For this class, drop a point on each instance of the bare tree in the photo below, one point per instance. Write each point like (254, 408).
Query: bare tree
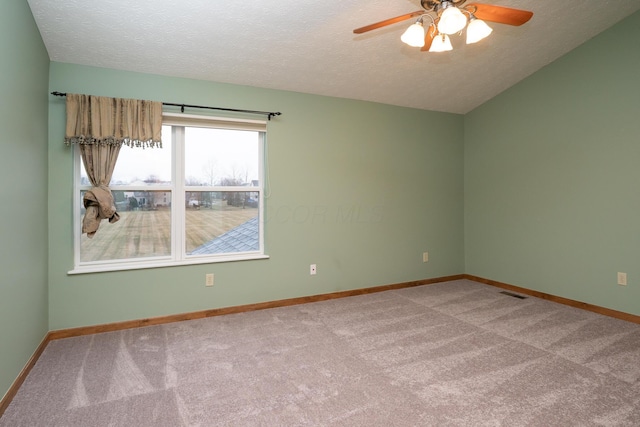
(233, 198)
(209, 171)
(150, 196)
(152, 179)
(238, 174)
(193, 181)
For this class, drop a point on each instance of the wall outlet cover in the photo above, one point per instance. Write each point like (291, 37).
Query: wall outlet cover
(622, 279)
(208, 279)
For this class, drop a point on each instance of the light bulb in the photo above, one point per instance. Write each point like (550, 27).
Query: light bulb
(414, 35)
(441, 43)
(451, 20)
(477, 30)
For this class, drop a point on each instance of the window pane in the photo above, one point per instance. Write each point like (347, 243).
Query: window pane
(221, 157)
(221, 222)
(210, 224)
(140, 166)
(144, 229)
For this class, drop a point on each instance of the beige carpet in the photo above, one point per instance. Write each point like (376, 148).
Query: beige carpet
(451, 354)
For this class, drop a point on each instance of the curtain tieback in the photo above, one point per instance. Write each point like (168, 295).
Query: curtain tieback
(99, 205)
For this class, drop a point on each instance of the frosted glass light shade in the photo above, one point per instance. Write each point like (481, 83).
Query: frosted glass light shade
(451, 20)
(477, 30)
(441, 43)
(414, 35)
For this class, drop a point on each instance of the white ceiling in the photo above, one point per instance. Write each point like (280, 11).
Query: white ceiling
(309, 46)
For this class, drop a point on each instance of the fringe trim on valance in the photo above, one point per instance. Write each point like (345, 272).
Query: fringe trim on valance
(82, 140)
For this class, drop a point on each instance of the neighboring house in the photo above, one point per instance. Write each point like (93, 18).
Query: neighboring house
(140, 199)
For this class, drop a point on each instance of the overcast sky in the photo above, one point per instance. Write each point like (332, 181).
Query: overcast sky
(216, 153)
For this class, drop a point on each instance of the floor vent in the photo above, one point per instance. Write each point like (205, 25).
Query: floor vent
(513, 295)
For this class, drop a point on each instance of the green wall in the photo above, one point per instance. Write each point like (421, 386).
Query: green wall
(360, 189)
(552, 176)
(537, 187)
(24, 70)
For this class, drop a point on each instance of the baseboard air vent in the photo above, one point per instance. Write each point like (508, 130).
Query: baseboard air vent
(513, 295)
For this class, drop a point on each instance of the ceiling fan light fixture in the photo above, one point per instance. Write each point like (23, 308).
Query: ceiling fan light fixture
(414, 35)
(441, 43)
(452, 20)
(448, 17)
(477, 30)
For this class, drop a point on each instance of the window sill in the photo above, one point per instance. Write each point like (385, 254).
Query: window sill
(100, 268)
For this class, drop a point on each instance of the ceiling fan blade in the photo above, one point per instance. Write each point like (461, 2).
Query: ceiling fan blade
(388, 22)
(499, 14)
(429, 35)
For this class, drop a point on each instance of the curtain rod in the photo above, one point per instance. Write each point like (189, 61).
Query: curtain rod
(269, 114)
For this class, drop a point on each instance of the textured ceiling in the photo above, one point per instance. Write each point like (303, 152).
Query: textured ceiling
(309, 46)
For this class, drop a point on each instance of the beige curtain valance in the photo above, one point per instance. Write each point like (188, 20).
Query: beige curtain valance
(99, 120)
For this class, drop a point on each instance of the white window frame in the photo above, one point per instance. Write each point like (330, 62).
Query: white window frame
(177, 188)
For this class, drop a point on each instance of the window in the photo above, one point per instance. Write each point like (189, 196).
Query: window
(197, 199)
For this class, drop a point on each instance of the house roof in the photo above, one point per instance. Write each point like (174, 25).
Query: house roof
(310, 47)
(243, 238)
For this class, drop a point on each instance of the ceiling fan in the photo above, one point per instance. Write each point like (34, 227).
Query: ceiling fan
(449, 17)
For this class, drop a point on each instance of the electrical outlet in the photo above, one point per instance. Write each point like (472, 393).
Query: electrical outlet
(425, 257)
(622, 279)
(208, 279)
(312, 269)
